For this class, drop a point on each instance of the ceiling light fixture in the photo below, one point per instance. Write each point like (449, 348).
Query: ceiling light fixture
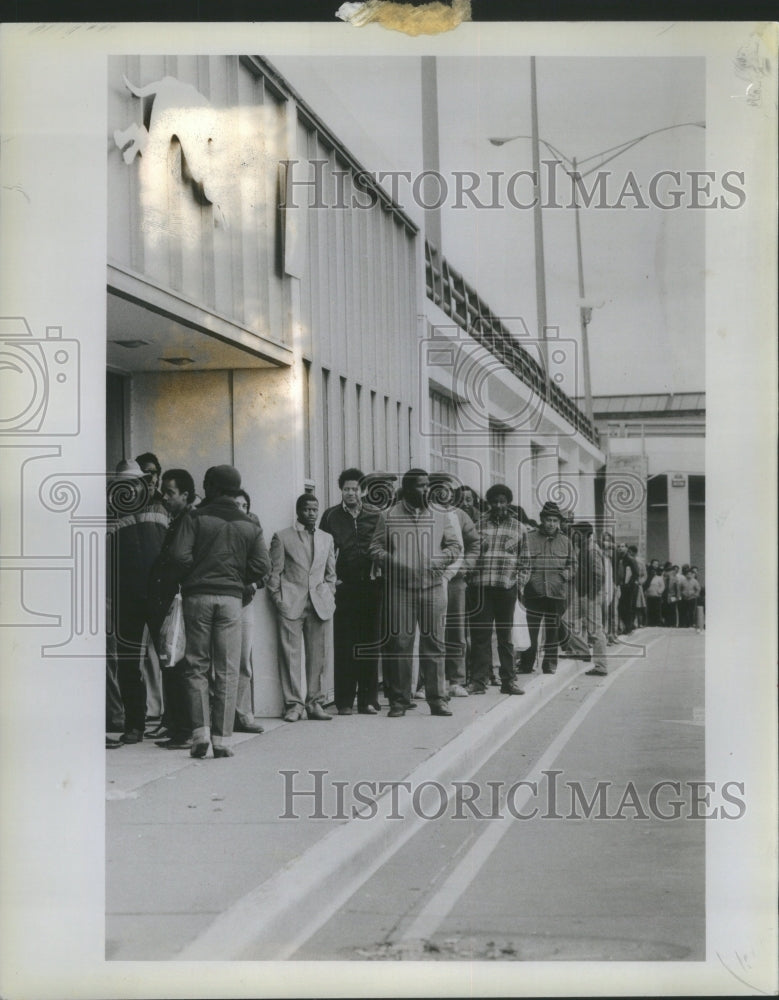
(131, 344)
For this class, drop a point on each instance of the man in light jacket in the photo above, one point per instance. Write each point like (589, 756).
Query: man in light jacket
(418, 550)
(302, 588)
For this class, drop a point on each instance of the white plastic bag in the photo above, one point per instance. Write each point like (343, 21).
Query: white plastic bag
(173, 640)
(519, 632)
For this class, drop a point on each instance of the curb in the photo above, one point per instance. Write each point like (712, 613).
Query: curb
(273, 920)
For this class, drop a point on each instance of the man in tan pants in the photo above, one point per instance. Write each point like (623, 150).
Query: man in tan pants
(302, 588)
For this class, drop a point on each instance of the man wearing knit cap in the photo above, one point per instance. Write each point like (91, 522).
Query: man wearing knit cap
(498, 578)
(218, 551)
(552, 567)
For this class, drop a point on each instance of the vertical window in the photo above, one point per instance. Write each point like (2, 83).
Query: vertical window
(443, 431)
(326, 428)
(343, 423)
(497, 454)
(307, 419)
(360, 428)
(374, 430)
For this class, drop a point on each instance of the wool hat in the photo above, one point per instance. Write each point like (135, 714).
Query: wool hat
(224, 477)
(550, 509)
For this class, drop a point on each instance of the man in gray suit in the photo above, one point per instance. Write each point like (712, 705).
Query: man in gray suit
(302, 588)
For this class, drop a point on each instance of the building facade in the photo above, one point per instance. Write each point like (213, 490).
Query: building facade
(660, 438)
(269, 305)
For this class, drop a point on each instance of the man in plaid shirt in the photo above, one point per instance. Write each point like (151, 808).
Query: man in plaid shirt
(498, 578)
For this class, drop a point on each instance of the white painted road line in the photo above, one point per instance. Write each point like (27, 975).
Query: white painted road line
(280, 915)
(424, 926)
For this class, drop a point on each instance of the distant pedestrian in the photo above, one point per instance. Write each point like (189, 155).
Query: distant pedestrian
(628, 584)
(690, 589)
(670, 595)
(302, 588)
(654, 597)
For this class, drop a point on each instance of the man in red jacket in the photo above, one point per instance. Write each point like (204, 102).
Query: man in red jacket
(218, 551)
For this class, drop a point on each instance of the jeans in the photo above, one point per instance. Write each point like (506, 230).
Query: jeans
(213, 626)
(456, 627)
(244, 706)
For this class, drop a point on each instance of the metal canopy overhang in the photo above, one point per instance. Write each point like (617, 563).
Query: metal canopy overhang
(173, 327)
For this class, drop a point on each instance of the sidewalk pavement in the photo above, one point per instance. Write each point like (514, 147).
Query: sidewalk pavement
(200, 862)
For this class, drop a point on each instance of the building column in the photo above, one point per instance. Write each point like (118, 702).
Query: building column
(678, 518)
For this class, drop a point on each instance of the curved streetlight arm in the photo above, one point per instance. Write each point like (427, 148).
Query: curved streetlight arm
(615, 150)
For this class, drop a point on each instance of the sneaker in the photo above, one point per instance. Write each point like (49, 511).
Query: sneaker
(457, 691)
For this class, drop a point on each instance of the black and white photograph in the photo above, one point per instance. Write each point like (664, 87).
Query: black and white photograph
(423, 387)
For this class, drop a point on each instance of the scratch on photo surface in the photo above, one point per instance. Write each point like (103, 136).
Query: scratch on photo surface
(427, 19)
(735, 975)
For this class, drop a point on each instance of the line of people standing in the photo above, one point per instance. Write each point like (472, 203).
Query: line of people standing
(384, 571)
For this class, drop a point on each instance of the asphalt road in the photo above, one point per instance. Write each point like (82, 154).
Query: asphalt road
(584, 861)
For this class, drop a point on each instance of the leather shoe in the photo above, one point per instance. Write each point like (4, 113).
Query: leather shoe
(317, 712)
(175, 744)
(511, 689)
(396, 713)
(345, 711)
(292, 715)
(132, 736)
(244, 727)
(111, 744)
(550, 670)
(595, 672)
(476, 689)
(223, 752)
(199, 750)
(439, 710)
(368, 710)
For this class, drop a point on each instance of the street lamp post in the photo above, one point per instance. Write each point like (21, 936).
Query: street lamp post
(571, 165)
(584, 311)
